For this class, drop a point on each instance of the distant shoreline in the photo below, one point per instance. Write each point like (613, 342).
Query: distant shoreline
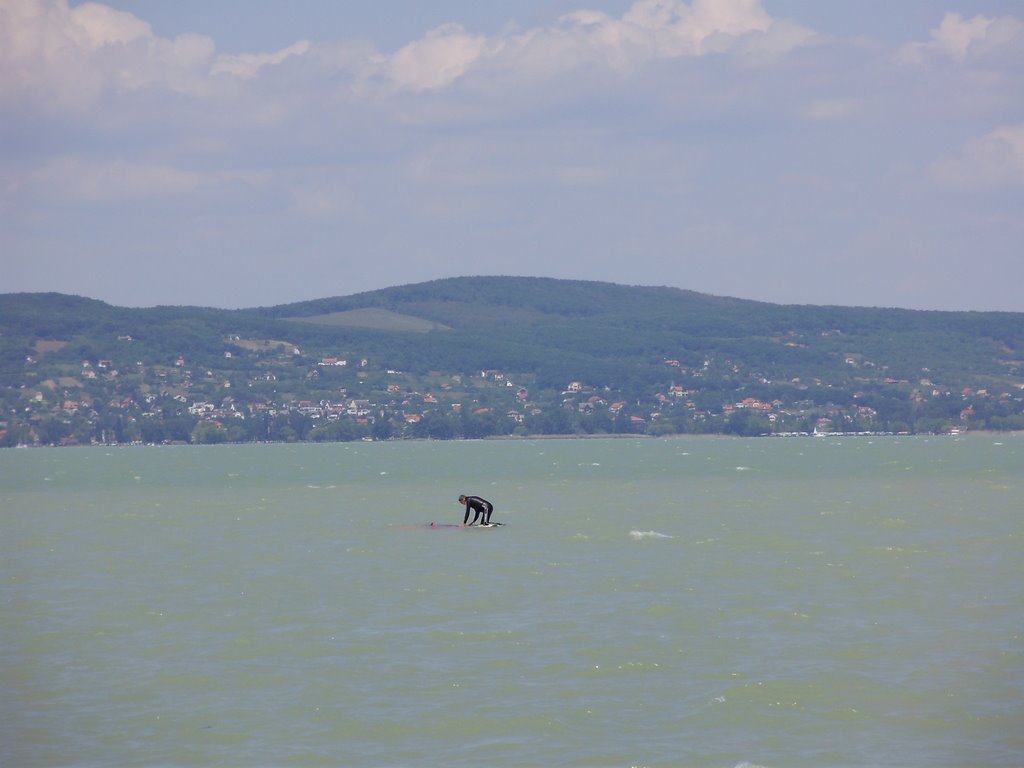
(514, 438)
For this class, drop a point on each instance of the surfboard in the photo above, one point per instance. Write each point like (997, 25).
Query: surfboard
(456, 525)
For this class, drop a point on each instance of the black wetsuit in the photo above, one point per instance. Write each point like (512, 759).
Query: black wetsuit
(479, 507)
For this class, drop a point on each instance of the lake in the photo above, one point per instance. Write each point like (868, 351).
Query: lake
(684, 602)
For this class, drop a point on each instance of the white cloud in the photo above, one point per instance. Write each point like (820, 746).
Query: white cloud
(671, 28)
(961, 39)
(436, 60)
(956, 35)
(61, 58)
(248, 65)
(649, 30)
(993, 160)
(92, 25)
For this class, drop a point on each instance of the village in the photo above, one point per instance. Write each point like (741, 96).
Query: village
(329, 398)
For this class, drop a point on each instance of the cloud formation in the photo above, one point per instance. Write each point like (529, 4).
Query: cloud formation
(73, 54)
(960, 39)
(58, 58)
(248, 65)
(707, 144)
(649, 30)
(993, 160)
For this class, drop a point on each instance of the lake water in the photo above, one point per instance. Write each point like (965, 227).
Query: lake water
(686, 602)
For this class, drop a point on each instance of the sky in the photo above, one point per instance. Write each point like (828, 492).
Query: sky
(252, 153)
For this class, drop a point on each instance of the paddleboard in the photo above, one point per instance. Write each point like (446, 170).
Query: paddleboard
(456, 525)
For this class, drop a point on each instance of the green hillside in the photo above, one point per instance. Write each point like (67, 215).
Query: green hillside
(456, 355)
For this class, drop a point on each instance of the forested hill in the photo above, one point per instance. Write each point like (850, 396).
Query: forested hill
(678, 360)
(637, 325)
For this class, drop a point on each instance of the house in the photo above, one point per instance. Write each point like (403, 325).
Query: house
(359, 408)
(753, 404)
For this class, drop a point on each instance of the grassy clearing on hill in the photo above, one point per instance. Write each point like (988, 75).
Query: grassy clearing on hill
(262, 345)
(377, 319)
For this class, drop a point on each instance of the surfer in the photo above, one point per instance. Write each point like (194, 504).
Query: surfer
(479, 507)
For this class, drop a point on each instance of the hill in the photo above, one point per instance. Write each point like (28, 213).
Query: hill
(477, 356)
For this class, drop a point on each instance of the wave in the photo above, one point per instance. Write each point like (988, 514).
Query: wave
(649, 535)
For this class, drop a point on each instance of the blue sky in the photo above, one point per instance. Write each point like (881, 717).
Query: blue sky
(235, 154)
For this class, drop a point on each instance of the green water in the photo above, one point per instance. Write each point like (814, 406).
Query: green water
(704, 602)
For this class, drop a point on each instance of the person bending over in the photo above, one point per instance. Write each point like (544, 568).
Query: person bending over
(481, 509)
